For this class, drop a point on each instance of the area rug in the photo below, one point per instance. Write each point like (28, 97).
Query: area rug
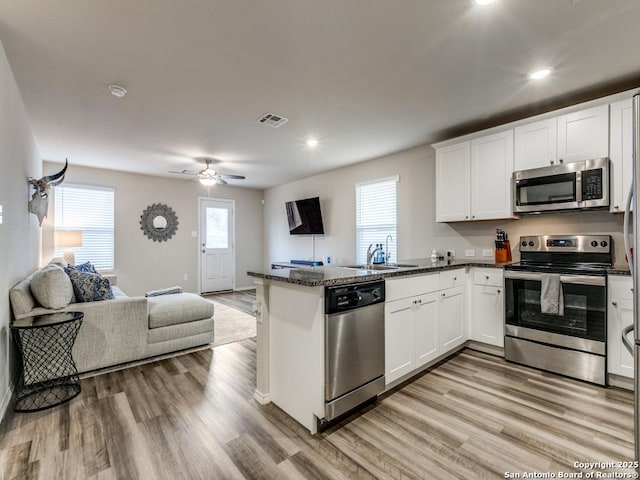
(231, 325)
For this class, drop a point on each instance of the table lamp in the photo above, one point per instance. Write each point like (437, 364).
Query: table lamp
(68, 239)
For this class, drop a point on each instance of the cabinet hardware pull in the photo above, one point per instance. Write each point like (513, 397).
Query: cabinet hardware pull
(498, 292)
(551, 162)
(443, 294)
(616, 207)
(561, 160)
(487, 277)
(466, 217)
(615, 304)
(455, 278)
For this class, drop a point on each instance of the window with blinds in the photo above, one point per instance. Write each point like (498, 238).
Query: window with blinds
(376, 216)
(89, 210)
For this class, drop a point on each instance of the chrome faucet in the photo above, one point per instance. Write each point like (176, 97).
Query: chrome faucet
(386, 248)
(371, 253)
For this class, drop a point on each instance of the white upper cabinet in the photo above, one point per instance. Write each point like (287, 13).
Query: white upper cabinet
(473, 179)
(583, 135)
(621, 152)
(567, 138)
(491, 170)
(536, 144)
(453, 182)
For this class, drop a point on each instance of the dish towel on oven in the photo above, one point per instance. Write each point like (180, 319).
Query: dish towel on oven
(551, 301)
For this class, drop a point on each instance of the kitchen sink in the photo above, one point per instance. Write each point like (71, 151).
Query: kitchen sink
(386, 266)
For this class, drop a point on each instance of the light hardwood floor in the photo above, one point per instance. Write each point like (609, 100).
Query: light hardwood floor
(193, 417)
(242, 300)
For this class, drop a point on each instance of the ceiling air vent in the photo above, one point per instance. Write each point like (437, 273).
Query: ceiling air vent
(273, 120)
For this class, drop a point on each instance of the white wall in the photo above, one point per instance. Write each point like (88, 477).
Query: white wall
(418, 232)
(19, 231)
(142, 264)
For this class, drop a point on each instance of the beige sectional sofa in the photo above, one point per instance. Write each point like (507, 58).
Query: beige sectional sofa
(125, 328)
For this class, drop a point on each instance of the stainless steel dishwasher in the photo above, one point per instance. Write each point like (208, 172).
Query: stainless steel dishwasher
(353, 345)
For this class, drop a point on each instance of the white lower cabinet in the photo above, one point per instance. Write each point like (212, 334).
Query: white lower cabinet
(451, 319)
(620, 314)
(399, 320)
(411, 335)
(486, 317)
(426, 328)
(423, 326)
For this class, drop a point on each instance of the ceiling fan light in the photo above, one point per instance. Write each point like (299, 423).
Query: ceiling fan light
(208, 182)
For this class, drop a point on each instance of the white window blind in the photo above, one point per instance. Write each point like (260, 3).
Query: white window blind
(90, 210)
(376, 216)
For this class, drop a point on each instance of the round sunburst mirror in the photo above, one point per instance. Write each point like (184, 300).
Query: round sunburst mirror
(159, 222)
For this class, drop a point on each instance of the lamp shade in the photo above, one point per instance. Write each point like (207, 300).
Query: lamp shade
(68, 238)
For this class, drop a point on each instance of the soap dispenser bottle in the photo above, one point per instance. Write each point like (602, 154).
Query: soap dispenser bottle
(434, 255)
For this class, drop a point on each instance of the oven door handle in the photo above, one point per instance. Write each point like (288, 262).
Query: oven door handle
(569, 279)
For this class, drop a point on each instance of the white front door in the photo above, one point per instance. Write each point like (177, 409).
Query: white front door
(217, 254)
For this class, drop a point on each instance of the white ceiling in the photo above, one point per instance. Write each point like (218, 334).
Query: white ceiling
(366, 77)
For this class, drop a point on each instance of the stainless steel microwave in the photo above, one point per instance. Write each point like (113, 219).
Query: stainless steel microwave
(566, 186)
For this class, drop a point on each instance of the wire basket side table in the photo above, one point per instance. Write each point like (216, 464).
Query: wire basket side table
(49, 375)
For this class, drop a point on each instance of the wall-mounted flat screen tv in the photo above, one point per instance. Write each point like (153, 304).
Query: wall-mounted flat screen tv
(305, 217)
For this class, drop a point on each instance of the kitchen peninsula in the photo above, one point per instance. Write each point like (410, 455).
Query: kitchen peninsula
(426, 319)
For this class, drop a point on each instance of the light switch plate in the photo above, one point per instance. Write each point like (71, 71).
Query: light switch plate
(470, 253)
(487, 252)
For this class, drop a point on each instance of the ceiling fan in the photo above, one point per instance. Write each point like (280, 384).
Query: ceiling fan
(208, 176)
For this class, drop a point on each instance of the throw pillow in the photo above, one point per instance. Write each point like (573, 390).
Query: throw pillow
(85, 267)
(51, 287)
(89, 287)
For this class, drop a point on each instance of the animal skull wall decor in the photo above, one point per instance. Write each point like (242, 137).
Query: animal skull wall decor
(39, 203)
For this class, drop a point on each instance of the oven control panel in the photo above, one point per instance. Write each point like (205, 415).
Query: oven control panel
(566, 243)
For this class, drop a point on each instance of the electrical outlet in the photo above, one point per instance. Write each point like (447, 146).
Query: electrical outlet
(185, 276)
(450, 253)
(470, 253)
(487, 252)
(194, 233)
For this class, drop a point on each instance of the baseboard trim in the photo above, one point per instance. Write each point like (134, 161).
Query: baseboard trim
(485, 348)
(241, 289)
(619, 381)
(5, 402)
(261, 398)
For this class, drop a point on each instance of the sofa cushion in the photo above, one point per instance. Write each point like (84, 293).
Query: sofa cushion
(51, 287)
(22, 301)
(178, 308)
(89, 287)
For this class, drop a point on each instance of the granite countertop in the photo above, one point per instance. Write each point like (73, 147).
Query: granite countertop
(621, 269)
(330, 275)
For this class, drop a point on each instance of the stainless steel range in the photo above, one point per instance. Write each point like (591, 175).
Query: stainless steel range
(555, 304)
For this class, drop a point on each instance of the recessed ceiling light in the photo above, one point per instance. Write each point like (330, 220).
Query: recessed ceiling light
(483, 2)
(540, 73)
(312, 142)
(117, 91)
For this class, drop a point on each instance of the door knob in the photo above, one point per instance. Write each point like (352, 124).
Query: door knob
(551, 162)
(204, 251)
